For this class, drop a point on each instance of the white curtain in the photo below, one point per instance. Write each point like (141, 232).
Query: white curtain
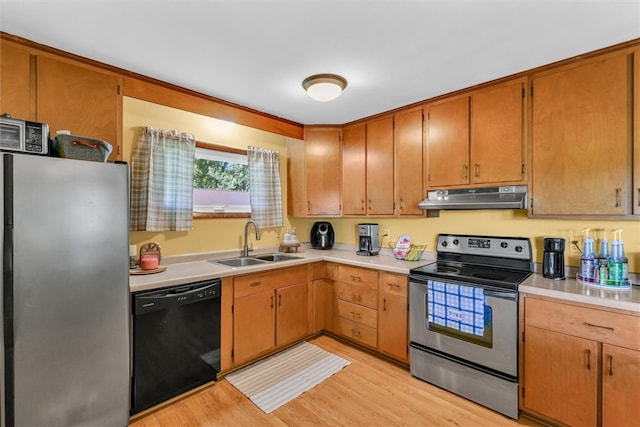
(265, 191)
(162, 181)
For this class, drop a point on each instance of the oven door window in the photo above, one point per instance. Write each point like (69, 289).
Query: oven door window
(460, 312)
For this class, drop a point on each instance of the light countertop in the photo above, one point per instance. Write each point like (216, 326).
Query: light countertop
(572, 290)
(194, 268)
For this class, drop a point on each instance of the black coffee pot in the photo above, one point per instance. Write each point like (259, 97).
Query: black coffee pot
(553, 260)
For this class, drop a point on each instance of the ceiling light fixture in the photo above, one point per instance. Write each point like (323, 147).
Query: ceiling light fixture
(324, 87)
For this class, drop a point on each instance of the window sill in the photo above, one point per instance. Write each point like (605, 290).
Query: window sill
(203, 215)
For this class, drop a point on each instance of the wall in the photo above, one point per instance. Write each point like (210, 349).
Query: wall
(494, 222)
(226, 233)
(208, 234)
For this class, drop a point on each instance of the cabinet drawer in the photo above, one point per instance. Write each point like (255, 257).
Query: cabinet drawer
(357, 332)
(268, 280)
(590, 323)
(358, 276)
(358, 313)
(357, 294)
(395, 284)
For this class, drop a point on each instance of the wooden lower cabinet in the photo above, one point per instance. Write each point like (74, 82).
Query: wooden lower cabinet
(356, 303)
(273, 309)
(254, 325)
(270, 310)
(291, 313)
(393, 328)
(561, 377)
(581, 364)
(371, 309)
(620, 386)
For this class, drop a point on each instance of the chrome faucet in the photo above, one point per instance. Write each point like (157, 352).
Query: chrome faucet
(245, 248)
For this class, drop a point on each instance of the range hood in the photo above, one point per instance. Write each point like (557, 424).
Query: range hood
(505, 197)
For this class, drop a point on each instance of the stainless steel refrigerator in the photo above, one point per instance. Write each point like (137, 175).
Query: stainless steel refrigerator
(65, 292)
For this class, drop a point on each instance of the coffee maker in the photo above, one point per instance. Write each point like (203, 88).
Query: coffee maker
(368, 241)
(553, 259)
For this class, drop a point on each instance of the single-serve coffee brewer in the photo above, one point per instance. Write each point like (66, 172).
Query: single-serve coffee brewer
(368, 241)
(553, 260)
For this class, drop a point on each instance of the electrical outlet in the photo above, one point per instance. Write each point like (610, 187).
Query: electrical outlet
(575, 244)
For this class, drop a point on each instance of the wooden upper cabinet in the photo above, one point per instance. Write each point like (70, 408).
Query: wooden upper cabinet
(581, 140)
(322, 170)
(380, 166)
(635, 194)
(448, 143)
(296, 179)
(408, 162)
(354, 167)
(497, 149)
(16, 97)
(81, 99)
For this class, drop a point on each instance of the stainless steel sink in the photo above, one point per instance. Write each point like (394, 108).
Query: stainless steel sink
(276, 257)
(244, 261)
(239, 261)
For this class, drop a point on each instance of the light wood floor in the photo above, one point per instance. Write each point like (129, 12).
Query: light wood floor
(368, 392)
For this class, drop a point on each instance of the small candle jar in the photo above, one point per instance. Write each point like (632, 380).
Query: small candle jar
(149, 262)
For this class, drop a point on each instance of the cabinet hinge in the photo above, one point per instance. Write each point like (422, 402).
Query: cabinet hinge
(532, 89)
(522, 336)
(531, 204)
(118, 89)
(522, 93)
(118, 150)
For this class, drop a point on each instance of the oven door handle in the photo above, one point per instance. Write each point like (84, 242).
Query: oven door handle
(512, 296)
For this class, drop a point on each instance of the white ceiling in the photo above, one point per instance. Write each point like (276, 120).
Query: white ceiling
(257, 52)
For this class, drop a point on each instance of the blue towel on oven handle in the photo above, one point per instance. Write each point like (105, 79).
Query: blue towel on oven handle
(457, 307)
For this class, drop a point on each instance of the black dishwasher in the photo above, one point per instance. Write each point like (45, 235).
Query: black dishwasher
(176, 341)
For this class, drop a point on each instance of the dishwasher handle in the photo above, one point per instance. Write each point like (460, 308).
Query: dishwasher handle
(166, 298)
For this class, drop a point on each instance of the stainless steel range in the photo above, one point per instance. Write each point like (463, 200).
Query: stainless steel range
(463, 312)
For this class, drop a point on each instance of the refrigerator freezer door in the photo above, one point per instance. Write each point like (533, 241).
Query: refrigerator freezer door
(71, 298)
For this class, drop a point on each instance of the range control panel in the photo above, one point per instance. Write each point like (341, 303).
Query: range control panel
(495, 246)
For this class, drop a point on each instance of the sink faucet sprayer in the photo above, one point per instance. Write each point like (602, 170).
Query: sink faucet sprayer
(245, 249)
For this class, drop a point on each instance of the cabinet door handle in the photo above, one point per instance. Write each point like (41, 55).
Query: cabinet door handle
(592, 325)
(356, 278)
(384, 304)
(638, 196)
(254, 284)
(465, 169)
(476, 166)
(355, 332)
(610, 359)
(356, 314)
(618, 197)
(369, 204)
(280, 300)
(308, 205)
(401, 203)
(272, 302)
(362, 205)
(356, 297)
(393, 285)
(589, 359)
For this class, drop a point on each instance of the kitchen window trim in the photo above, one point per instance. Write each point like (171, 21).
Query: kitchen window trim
(224, 148)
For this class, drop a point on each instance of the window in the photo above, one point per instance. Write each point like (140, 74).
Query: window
(220, 181)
